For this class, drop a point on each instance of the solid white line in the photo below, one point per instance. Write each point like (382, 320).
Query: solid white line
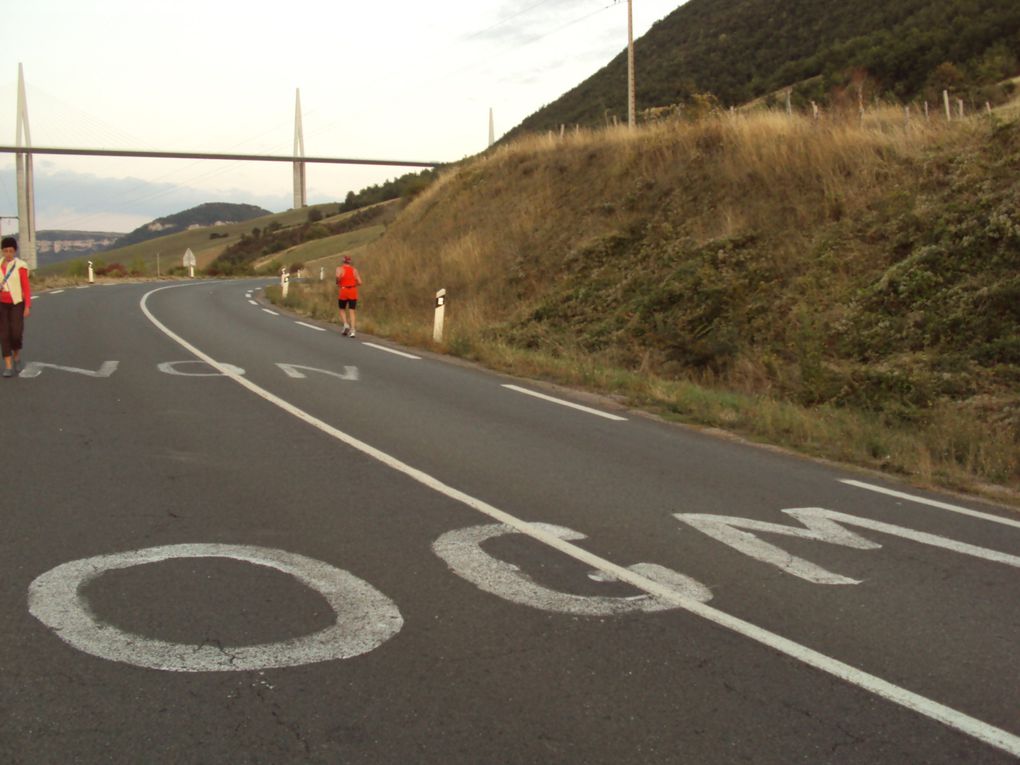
(934, 503)
(561, 402)
(310, 326)
(964, 723)
(274, 313)
(390, 350)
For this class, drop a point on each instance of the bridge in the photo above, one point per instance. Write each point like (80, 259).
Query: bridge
(24, 151)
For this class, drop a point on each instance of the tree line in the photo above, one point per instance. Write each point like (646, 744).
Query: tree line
(740, 50)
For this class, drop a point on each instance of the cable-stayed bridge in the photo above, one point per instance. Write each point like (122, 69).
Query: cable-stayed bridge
(24, 151)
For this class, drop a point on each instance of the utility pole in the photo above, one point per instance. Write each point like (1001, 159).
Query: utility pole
(631, 95)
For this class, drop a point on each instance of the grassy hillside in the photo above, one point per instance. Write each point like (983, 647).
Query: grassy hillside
(206, 243)
(739, 50)
(208, 214)
(849, 290)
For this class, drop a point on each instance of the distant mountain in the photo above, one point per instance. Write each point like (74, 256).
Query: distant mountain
(740, 50)
(54, 246)
(208, 214)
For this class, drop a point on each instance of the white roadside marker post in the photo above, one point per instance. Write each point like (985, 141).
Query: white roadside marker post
(322, 273)
(284, 280)
(437, 327)
(92, 274)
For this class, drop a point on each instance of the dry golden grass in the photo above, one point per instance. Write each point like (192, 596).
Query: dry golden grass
(505, 232)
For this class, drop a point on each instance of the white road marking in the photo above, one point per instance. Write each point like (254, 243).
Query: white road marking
(365, 618)
(171, 368)
(310, 326)
(463, 553)
(54, 292)
(294, 370)
(941, 713)
(821, 525)
(35, 368)
(274, 313)
(253, 302)
(934, 503)
(390, 350)
(561, 402)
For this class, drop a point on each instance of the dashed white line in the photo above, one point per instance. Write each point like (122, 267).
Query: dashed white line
(971, 726)
(933, 503)
(55, 292)
(561, 402)
(253, 302)
(310, 326)
(274, 313)
(390, 350)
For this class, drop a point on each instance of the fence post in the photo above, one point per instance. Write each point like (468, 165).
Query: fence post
(437, 326)
(949, 113)
(959, 103)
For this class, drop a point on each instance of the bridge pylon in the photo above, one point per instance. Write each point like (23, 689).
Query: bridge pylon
(26, 181)
(300, 181)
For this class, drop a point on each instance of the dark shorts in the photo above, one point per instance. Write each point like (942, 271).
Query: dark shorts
(352, 304)
(12, 324)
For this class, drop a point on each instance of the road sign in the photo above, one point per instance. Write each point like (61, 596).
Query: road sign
(189, 259)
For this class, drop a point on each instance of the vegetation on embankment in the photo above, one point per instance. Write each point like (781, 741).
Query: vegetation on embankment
(852, 291)
(829, 51)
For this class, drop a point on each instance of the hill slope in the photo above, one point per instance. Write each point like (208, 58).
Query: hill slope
(208, 214)
(739, 50)
(832, 268)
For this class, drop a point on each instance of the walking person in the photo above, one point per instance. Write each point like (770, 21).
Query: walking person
(15, 303)
(348, 280)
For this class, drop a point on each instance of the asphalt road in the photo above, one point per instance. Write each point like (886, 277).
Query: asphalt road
(231, 536)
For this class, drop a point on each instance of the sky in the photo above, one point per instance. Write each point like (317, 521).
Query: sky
(389, 79)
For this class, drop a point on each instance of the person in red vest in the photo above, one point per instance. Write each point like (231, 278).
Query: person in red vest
(15, 303)
(348, 280)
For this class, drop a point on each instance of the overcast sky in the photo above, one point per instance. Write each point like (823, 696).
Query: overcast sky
(389, 79)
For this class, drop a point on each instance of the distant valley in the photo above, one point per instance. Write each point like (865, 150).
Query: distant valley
(55, 246)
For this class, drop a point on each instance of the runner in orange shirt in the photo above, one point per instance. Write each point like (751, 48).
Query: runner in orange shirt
(348, 280)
